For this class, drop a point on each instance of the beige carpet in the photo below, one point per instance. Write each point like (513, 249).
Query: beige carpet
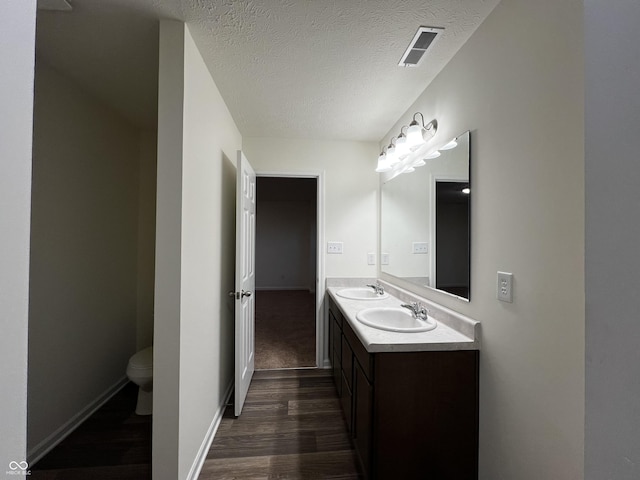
(285, 329)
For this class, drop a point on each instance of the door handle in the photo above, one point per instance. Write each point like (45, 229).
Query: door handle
(239, 295)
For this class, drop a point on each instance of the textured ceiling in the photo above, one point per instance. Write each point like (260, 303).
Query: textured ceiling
(286, 68)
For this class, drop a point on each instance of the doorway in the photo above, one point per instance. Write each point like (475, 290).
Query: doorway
(286, 272)
(452, 237)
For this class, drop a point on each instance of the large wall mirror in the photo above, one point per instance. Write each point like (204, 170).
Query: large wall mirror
(425, 223)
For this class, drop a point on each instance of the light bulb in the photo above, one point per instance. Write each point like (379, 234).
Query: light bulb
(414, 136)
(392, 156)
(450, 145)
(383, 167)
(383, 164)
(402, 148)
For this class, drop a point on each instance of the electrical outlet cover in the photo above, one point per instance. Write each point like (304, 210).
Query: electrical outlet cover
(505, 287)
(420, 248)
(334, 247)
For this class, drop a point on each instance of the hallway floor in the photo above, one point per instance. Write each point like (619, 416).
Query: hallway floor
(291, 427)
(285, 329)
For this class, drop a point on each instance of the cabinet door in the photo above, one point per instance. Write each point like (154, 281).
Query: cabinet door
(346, 396)
(337, 372)
(347, 362)
(346, 399)
(330, 341)
(362, 417)
(336, 349)
(332, 357)
(336, 340)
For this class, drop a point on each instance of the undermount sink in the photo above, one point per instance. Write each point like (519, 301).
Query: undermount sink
(394, 319)
(360, 293)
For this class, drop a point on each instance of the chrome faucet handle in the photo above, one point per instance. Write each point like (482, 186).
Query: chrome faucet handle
(377, 288)
(413, 306)
(417, 309)
(423, 312)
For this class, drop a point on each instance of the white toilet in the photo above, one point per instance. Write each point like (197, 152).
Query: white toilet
(140, 372)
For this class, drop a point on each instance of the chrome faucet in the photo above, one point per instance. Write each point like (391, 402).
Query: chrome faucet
(418, 310)
(379, 289)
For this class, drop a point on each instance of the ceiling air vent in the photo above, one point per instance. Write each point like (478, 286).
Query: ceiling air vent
(422, 40)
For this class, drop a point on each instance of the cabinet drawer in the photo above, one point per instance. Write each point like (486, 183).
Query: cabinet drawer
(335, 313)
(364, 358)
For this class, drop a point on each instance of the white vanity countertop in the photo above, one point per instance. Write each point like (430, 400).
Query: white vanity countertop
(443, 337)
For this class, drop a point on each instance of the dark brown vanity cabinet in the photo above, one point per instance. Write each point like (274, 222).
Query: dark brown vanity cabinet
(411, 415)
(335, 348)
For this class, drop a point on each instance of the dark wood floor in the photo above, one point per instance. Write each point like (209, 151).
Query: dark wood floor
(114, 443)
(291, 428)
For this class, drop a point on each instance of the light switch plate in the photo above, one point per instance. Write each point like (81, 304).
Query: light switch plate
(371, 258)
(505, 287)
(420, 248)
(334, 247)
(384, 259)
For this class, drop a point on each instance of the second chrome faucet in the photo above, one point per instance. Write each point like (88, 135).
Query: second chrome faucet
(379, 289)
(418, 310)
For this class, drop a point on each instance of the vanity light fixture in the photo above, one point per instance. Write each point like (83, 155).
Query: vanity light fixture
(407, 151)
(402, 146)
(450, 145)
(383, 164)
(417, 131)
(392, 152)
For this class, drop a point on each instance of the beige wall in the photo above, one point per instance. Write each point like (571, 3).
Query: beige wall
(208, 260)
(350, 192)
(166, 333)
(517, 84)
(195, 255)
(612, 261)
(146, 237)
(84, 244)
(17, 51)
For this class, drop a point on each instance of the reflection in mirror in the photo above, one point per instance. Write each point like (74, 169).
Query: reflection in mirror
(425, 220)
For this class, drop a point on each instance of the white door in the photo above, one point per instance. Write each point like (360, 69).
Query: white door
(245, 279)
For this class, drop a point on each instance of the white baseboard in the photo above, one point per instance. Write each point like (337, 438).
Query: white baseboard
(208, 439)
(45, 446)
(285, 288)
